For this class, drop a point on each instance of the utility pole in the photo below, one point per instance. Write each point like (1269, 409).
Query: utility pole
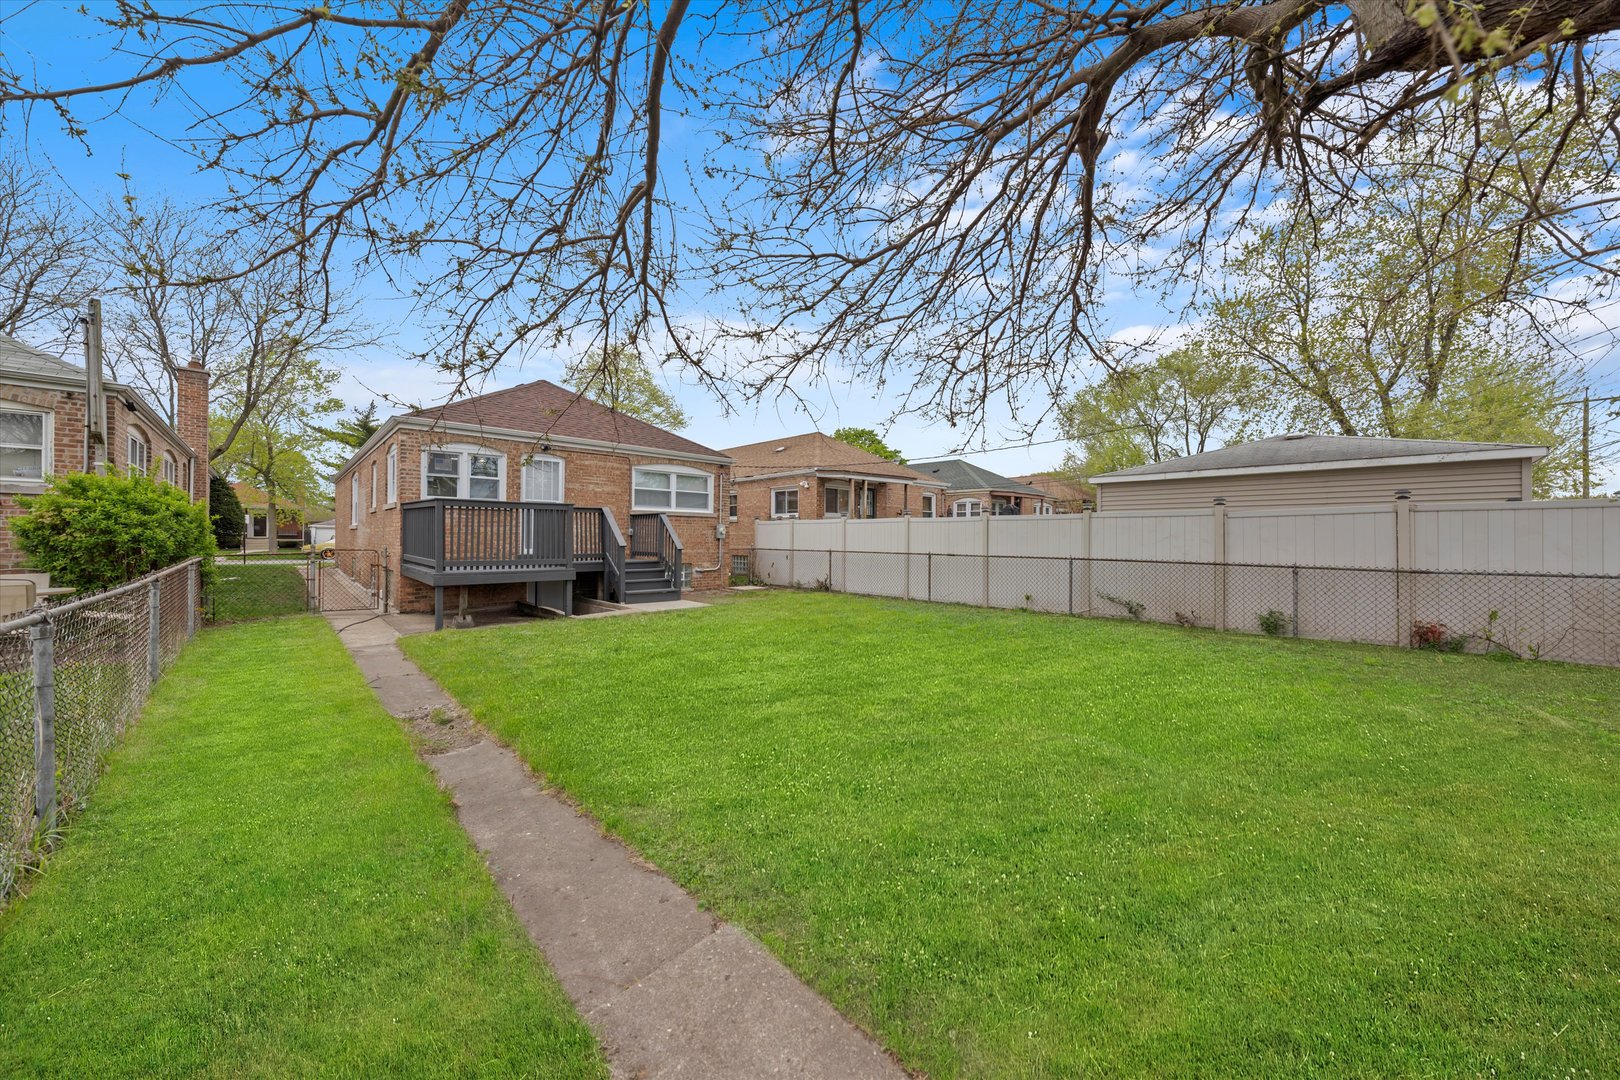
(1586, 443)
(95, 398)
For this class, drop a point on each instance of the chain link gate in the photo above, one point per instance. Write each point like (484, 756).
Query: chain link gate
(346, 579)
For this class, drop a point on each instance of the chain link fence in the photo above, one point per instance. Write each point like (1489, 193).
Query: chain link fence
(72, 677)
(1572, 617)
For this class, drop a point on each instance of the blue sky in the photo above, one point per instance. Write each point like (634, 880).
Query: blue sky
(62, 47)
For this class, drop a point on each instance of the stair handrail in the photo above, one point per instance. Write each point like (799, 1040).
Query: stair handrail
(612, 557)
(676, 552)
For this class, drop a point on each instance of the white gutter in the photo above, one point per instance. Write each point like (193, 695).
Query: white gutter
(871, 478)
(1534, 453)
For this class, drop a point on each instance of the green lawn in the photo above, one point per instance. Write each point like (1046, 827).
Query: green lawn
(1023, 845)
(268, 883)
(257, 591)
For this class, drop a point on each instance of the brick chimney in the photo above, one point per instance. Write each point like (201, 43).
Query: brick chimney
(191, 423)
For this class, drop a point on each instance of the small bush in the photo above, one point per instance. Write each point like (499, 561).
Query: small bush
(94, 532)
(1436, 636)
(1274, 623)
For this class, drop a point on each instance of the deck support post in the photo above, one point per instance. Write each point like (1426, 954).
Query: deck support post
(438, 607)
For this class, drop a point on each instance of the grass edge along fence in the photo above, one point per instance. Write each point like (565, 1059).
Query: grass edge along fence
(72, 678)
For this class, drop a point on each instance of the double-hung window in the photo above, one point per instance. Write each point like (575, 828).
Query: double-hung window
(354, 499)
(171, 469)
(731, 505)
(393, 474)
(140, 452)
(455, 472)
(785, 502)
(24, 444)
(928, 504)
(374, 485)
(967, 508)
(542, 479)
(672, 488)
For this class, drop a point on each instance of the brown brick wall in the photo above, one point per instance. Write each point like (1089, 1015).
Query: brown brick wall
(590, 478)
(67, 449)
(191, 423)
(754, 503)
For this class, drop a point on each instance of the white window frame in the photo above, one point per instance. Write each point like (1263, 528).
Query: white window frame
(46, 438)
(135, 437)
(524, 490)
(373, 487)
(929, 500)
(171, 469)
(393, 475)
(969, 508)
(731, 505)
(784, 491)
(637, 506)
(465, 453)
(1043, 509)
(354, 499)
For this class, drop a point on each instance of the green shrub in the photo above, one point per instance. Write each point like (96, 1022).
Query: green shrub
(1274, 623)
(94, 532)
(225, 510)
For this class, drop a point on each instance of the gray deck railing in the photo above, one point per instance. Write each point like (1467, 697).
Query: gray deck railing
(467, 535)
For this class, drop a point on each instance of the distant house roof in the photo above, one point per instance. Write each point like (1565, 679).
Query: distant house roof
(959, 475)
(545, 409)
(255, 498)
(1062, 488)
(815, 452)
(1299, 453)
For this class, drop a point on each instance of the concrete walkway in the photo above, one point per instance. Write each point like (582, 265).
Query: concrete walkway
(669, 990)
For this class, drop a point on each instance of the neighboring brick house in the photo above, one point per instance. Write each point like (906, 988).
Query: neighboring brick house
(1069, 495)
(816, 476)
(532, 444)
(292, 519)
(43, 432)
(973, 490)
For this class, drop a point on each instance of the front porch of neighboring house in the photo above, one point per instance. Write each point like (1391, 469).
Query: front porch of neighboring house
(555, 548)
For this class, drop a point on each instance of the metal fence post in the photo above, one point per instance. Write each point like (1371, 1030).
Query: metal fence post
(42, 638)
(154, 624)
(193, 577)
(1295, 622)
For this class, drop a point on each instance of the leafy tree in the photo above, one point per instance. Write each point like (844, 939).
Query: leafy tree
(93, 532)
(226, 511)
(618, 378)
(870, 441)
(1177, 404)
(1408, 318)
(933, 192)
(276, 448)
(351, 433)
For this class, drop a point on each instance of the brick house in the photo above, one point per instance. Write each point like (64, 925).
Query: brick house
(535, 495)
(974, 490)
(1069, 495)
(816, 476)
(292, 519)
(43, 430)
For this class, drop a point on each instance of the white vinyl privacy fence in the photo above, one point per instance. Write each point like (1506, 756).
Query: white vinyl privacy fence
(1537, 579)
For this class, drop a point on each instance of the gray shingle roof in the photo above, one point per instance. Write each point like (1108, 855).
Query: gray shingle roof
(1286, 451)
(959, 475)
(16, 358)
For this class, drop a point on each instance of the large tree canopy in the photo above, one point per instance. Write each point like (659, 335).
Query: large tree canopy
(908, 189)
